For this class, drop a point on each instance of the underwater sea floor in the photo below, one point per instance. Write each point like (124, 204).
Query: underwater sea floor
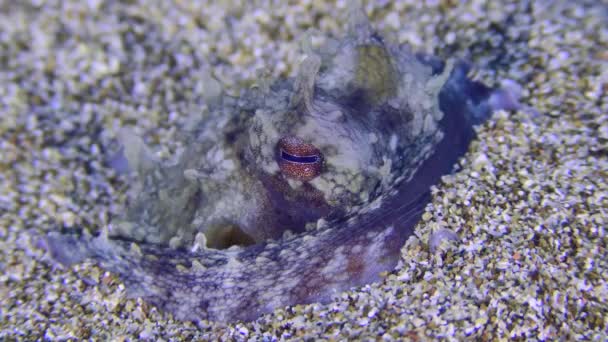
(529, 202)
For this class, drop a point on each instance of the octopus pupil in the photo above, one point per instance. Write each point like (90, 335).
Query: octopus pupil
(299, 159)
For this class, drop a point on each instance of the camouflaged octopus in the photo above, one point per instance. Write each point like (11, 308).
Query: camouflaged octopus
(295, 190)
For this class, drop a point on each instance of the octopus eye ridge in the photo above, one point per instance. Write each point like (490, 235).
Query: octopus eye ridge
(311, 159)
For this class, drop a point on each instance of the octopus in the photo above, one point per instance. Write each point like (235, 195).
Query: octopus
(295, 190)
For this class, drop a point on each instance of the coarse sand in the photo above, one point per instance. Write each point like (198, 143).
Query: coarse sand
(529, 204)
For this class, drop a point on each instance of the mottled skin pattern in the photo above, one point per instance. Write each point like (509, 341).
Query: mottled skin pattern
(388, 124)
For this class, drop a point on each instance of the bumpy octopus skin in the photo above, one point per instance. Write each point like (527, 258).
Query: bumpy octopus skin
(295, 190)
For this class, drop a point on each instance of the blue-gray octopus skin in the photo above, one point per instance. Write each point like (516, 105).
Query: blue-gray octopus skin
(295, 190)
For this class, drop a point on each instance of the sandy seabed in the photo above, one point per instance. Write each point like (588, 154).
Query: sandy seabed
(529, 203)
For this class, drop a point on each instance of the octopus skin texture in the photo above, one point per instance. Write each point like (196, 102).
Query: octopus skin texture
(295, 190)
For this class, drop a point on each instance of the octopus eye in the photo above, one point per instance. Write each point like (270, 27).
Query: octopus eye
(298, 159)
